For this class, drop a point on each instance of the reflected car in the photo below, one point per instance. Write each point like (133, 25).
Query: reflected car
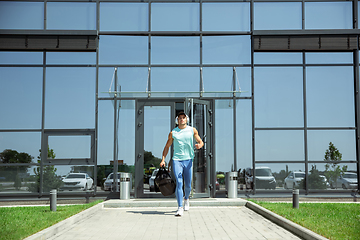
(78, 181)
(152, 185)
(108, 183)
(325, 181)
(263, 177)
(348, 180)
(293, 179)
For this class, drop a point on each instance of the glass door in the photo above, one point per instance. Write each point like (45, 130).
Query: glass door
(200, 114)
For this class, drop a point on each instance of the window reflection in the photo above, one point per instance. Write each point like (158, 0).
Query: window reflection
(224, 136)
(71, 16)
(226, 16)
(319, 140)
(175, 50)
(279, 145)
(175, 17)
(277, 15)
(328, 58)
(277, 58)
(124, 16)
(21, 98)
(70, 99)
(175, 79)
(21, 15)
(226, 49)
(279, 97)
(21, 57)
(123, 50)
(330, 96)
(334, 15)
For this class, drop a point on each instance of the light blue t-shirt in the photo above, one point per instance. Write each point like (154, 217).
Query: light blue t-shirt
(183, 140)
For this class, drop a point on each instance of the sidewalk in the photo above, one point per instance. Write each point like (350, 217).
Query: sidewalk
(154, 219)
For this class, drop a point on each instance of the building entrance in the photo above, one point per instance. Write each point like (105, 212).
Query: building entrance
(155, 118)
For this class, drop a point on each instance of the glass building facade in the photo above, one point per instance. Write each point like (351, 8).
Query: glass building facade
(97, 84)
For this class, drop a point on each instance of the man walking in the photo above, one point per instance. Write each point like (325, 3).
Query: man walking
(183, 139)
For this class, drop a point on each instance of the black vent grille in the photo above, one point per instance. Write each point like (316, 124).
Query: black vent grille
(48, 42)
(309, 42)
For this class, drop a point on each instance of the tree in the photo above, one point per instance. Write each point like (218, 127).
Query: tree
(150, 159)
(50, 179)
(14, 173)
(315, 181)
(332, 169)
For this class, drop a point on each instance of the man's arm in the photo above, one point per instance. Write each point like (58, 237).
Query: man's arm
(166, 149)
(200, 143)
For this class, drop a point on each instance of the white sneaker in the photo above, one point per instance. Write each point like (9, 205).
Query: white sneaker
(186, 204)
(179, 212)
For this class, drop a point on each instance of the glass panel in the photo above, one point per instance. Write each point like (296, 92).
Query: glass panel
(330, 96)
(220, 79)
(326, 177)
(288, 175)
(279, 97)
(21, 57)
(129, 80)
(224, 148)
(123, 50)
(243, 134)
(279, 145)
(156, 131)
(200, 162)
(126, 133)
(71, 58)
(319, 140)
(175, 17)
(334, 15)
(226, 16)
(124, 16)
(169, 79)
(175, 50)
(21, 15)
(21, 97)
(277, 16)
(17, 180)
(71, 15)
(226, 49)
(277, 58)
(21, 142)
(71, 146)
(325, 58)
(70, 98)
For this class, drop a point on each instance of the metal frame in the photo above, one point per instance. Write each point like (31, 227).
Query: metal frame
(253, 33)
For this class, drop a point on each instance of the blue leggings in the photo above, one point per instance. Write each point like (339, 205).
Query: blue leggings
(182, 168)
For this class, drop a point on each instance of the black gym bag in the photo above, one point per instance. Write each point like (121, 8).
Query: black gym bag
(165, 183)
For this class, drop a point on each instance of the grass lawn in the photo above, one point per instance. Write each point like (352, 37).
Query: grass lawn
(331, 220)
(21, 222)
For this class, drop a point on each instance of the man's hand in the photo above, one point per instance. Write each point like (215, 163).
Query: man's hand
(198, 146)
(162, 164)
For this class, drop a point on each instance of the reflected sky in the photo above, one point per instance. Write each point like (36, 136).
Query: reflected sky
(278, 89)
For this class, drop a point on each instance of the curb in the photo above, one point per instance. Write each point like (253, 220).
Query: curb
(65, 224)
(283, 222)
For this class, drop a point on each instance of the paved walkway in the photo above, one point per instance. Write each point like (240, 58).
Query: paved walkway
(160, 223)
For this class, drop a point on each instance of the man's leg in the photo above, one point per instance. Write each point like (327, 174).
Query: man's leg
(177, 166)
(187, 177)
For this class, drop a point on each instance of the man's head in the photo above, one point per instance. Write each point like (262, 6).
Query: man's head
(181, 118)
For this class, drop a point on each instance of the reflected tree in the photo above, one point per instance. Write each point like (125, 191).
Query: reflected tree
(50, 179)
(315, 180)
(14, 173)
(332, 169)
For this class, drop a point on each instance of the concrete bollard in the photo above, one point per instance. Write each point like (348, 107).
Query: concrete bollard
(53, 200)
(295, 198)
